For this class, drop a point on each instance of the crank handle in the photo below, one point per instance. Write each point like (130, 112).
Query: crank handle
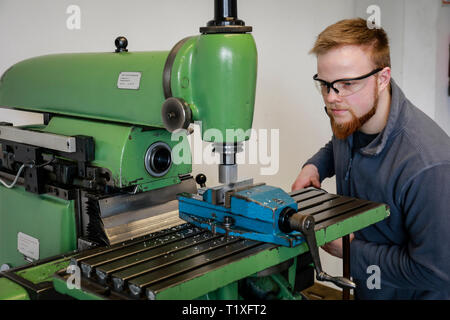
(291, 220)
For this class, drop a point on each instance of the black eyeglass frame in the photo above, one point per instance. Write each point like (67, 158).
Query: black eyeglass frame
(331, 84)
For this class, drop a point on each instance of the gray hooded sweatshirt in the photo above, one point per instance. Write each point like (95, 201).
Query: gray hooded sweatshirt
(407, 167)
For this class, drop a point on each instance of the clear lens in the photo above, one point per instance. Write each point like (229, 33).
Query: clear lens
(321, 87)
(347, 88)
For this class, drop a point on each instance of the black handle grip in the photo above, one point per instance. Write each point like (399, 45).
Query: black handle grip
(201, 180)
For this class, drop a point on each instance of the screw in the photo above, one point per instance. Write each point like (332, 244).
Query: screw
(308, 224)
(228, 221)
(171, 115)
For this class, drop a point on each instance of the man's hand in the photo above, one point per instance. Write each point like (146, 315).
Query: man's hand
(309, 176)
(335, 247)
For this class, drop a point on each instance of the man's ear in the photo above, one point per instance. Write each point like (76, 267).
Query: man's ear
(384, 77)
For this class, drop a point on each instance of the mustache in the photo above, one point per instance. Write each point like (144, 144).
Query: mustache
(328, 109)
(337, 107)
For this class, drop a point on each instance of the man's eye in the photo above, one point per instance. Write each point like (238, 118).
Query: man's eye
(348, 84)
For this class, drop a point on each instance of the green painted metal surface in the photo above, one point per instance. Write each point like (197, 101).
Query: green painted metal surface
(215, 74)
(230, 273)
(61, 287)
(43, 272)
(292, 271)
(121, 149)
(85, 85)
(10, 290)
(228, 292)
(48, 219)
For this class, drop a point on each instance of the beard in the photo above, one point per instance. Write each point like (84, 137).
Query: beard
(343, 130)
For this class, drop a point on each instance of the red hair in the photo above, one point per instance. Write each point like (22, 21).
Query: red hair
(355, 32)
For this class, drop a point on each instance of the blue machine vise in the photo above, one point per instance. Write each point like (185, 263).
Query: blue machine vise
(252, 213)
(258, 212)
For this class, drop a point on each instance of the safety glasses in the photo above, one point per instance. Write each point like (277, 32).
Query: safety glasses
(343, 87)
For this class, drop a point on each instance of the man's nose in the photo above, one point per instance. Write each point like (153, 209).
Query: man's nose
(332, 96)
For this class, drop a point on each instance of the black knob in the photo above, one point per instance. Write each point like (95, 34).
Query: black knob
(121, 44)
(201, 180)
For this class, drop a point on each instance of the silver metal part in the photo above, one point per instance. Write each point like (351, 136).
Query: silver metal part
(118, 284)
(227, 151)
(151, 295)
(10, 178)
(10, 186)
(130, 216)
(176, 114)
(158, 159)
(161, 217)
(219, 192)
(5, 267)
(39, 139)
(84, 244)
(228, 172)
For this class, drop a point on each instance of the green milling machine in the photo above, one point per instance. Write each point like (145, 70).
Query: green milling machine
(88, 200)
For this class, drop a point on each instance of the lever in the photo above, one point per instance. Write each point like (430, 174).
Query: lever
(291, 220)
(201, 180)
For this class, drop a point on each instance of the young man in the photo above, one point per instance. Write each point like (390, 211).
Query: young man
(386, 150)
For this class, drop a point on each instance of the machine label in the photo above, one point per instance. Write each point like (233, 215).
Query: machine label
(129, 80)
(28, 246)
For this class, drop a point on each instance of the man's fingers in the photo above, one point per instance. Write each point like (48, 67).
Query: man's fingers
(315, 182)
(300, 185)
(296, 186)
(306, 178)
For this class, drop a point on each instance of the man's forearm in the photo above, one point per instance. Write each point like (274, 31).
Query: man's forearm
(324, 161)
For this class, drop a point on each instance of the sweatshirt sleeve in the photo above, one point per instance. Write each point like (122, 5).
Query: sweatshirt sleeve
(424, 261)
(324, 161)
